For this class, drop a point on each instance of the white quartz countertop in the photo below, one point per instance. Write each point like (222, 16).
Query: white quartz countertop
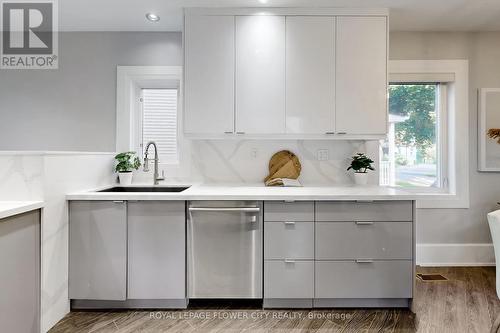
(11, 208)
(253, 192)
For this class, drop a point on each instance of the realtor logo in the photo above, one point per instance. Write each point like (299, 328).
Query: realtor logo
(29, 35)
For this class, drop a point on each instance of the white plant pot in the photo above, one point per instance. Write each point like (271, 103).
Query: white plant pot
(125, 178)
(361, 178)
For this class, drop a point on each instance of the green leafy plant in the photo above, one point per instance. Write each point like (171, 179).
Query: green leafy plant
(127, 162)
(361, 163)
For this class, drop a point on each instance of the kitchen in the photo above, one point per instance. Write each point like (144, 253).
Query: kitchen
(213, 102)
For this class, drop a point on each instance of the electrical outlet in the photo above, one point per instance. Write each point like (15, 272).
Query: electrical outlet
(322, 155)
(254, 152)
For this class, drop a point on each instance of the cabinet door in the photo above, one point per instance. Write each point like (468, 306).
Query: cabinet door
(97, 250)
(209, 86)
(361, 75)
(156, 247)
(20, 273)
(260, 74)
(310, 74)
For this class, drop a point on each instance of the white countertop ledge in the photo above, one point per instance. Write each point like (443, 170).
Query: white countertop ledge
(11, 208)
(255, 192)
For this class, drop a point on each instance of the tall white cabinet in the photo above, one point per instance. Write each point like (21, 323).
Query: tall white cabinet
(286, 73)
(310, 74)
(260, 74)
(209, 75)
(361, 77)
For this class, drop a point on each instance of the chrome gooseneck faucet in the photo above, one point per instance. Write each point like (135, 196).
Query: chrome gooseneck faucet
(156, 177)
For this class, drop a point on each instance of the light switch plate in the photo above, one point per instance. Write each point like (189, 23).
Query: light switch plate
(322, 155)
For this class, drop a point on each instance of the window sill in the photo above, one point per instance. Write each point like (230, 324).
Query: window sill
(435, 199)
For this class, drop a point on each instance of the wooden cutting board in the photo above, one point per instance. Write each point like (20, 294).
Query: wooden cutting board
(284, 164)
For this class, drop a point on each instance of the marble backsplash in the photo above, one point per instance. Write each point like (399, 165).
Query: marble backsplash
(246, 161)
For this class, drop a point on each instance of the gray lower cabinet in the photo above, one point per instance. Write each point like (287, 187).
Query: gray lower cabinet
(362, 240)
(362, 280)
(289, 279)
(364, 211)
(294, 211)
(288, 254)
(20, 273)
(339, 254)
(289, 240)
(97, 250)
(127, 254)
(156, 250)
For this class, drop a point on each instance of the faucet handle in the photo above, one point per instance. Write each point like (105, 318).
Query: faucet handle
(162, 175)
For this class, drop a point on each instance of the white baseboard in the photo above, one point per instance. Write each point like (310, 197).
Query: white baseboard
(432, 255)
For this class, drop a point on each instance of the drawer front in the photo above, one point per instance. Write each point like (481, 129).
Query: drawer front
(362, 240)
(349, 279)
(289, 211)
(288, 240)
(364, 211)
(288, 280)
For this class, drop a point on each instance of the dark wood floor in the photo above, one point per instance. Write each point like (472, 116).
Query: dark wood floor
(467, 302)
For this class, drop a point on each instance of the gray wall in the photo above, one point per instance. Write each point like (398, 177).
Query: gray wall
(73, 108)
(483, 52)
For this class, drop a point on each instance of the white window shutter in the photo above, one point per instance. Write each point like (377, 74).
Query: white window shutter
(159, 122)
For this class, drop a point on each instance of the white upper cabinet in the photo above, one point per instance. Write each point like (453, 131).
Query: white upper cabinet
(209, 75)
(361, 75)
(290, 73)
(260, 74)
(310, 74)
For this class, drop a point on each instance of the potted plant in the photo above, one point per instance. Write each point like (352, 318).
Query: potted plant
(126, 163)
(361, 164)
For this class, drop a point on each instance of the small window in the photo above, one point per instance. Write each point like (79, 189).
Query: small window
(414, 154)
(159, 123)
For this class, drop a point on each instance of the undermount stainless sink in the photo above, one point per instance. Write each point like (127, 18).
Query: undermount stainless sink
(146, 189)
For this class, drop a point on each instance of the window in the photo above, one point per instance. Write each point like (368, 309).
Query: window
(414, 153)
(148, 101)
(427, 149)
(159, 122)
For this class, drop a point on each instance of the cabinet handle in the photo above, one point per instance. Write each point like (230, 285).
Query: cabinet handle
(364, 261)
(228, 132)
(289, 261)
(330, 133)
(118, 201)
(240, 132)
(289, 223)
(342, 133)
(364, 222)
(225, 209)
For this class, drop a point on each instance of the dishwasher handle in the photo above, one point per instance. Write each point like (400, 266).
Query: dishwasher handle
(225, 209)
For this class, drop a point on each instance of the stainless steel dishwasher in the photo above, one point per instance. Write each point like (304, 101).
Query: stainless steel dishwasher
(224, 249)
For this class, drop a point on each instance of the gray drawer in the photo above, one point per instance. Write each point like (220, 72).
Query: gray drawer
(288, 240)
(289, 211)
(362, 240)
(349, 279)
(288, 279)
(364, 211)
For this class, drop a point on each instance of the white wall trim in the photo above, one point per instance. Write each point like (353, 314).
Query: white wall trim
(438, 255)
(458, 126)
(47, 153)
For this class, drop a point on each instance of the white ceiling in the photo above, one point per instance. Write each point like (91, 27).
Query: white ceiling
(406, 15)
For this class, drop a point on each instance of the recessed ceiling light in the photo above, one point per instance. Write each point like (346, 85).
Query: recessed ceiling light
(152, 17)
(263, 1)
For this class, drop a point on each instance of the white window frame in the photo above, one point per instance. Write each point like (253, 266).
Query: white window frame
(130, 82)
(455, 135)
